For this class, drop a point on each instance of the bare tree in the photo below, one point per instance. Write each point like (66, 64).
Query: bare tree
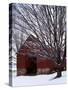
(47, 24)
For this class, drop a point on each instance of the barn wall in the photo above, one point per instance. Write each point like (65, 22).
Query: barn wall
(43, 65)
(22, 61)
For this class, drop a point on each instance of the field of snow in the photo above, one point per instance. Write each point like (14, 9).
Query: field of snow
(39, 80)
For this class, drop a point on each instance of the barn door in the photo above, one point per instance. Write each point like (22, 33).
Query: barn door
(31, 70)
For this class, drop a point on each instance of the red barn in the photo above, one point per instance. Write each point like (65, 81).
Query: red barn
(31, 60)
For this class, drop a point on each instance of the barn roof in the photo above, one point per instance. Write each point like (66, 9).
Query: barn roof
(31, 43)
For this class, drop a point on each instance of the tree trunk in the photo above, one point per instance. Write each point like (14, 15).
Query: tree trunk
(59, 73)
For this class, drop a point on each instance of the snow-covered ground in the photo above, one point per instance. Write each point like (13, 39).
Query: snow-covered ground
(38, 80)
